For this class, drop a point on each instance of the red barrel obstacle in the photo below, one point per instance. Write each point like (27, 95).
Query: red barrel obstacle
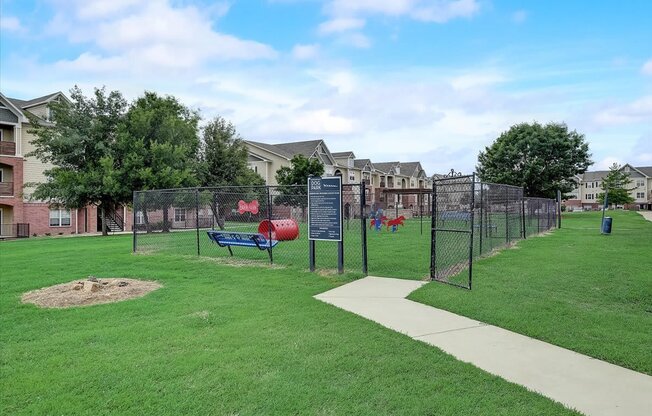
(282, 230)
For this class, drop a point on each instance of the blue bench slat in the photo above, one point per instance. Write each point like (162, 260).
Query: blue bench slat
(225, 239)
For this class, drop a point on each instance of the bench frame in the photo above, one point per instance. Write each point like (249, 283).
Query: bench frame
(244, 240)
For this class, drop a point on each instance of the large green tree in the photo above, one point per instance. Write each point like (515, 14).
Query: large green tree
(80, 143)
(223, 163)
(224, 156)
(616, 184)
(541, 159)
(293, 180)
(158, 149)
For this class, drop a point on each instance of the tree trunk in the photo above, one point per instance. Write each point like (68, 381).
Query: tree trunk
(103, 218)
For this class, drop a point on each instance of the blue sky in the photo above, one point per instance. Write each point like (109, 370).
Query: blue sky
(428, 80)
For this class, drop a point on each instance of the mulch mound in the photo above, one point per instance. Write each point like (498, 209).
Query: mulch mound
(91, 291)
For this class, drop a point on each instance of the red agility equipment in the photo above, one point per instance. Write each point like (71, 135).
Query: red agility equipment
(282, 230)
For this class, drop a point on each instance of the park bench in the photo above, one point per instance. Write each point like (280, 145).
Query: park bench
(229, 238)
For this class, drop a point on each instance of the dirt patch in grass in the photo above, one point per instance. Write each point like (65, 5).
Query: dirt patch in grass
(91, 291)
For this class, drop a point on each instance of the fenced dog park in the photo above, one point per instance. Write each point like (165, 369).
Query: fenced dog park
(229, 334)
(457, 221)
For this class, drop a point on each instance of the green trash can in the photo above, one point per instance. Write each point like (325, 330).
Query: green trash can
(606, 225)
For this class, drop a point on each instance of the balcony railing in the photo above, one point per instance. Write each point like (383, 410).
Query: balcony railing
(7, 148)
(6, 188)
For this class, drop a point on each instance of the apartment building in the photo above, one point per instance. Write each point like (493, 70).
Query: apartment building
(19, 214)
(380, 178)
(589, 185)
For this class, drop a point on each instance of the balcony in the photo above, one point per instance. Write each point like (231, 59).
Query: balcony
(7, 148)
(6, 189)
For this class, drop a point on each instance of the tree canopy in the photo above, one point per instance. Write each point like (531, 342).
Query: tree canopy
(541, 159)
(223, 157)
(103, 149)
(615, 183)
(80, 142)
(297, 174)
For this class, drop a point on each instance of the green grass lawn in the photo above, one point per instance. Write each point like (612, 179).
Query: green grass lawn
(575, 288)
(219, 339)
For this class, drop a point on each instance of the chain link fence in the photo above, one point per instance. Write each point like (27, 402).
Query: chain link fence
(473, 219)
(226, 224)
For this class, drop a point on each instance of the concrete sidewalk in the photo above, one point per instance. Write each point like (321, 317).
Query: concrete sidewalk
(586, 384)
(646, 214)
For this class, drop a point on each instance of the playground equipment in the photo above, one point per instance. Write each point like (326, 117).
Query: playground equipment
(281, 230)
(395, 223)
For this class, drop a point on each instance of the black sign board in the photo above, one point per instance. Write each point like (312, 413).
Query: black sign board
(325, 208)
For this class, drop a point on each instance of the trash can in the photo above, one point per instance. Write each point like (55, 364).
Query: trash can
(606, 225)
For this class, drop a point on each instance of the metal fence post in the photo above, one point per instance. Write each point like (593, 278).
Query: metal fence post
(481, 216)
(559, 208)
(523, 217)
(363, 225)
(433, 233)
(133, 222)
(269, 228)
(197, 218)
(506, 216)
(340, 244)
(472, 227)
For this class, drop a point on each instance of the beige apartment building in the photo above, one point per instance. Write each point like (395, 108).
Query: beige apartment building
(589, 185)
(20, 216)
(265, 159)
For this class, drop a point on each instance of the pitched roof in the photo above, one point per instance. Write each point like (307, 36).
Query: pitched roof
(595, 175)
(385, 167)
(306, 148)
(411, 168)
(290, 149)
(646, 170)
(24, 104)
(271, 148)
(361, 163)
(341, 155)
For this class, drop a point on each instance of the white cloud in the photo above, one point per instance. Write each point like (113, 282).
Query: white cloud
(10, 24)
(519, 16)
(154, 35)
(438, 11)
(647, 67)
(304, 52)
(639, 110)
(341, 24)
(357, 40)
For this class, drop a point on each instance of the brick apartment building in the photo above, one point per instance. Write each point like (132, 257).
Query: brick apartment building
(19, 214)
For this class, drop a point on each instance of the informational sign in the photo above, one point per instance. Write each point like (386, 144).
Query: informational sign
(325, 208)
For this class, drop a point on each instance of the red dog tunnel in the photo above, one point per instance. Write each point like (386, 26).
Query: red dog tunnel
(282, 230)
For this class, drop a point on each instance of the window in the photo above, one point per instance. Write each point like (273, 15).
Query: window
(1, 133)
(627, 169)
(59, 218)
(351, 177)
(640, 183)
(589, 196)
(140, 218)
(179, 214)
(640, 195)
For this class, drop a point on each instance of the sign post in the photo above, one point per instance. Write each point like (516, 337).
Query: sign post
(325, 215)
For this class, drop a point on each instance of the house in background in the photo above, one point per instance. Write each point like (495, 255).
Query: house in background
(19, 215)
(589, 185)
